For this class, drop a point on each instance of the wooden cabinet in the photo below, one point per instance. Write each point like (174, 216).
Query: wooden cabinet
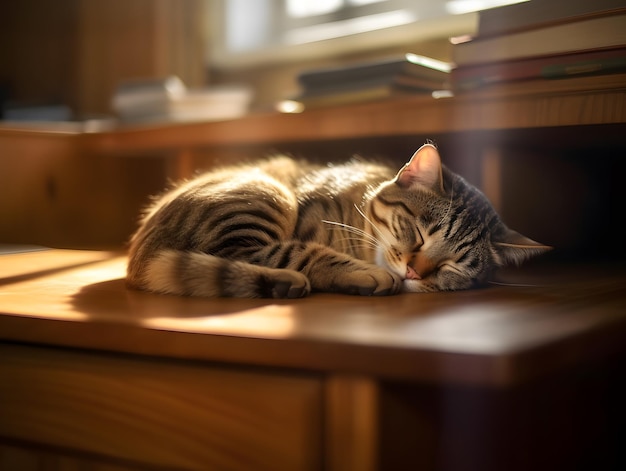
(96, 376)
(159, 412)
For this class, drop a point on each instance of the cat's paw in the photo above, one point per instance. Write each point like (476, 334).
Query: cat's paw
(286, 284)
(373, 281)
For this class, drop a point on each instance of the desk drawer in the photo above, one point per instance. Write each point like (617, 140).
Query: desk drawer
(163, 413)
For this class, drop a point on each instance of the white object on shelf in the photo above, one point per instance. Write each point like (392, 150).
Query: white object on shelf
(168, 100)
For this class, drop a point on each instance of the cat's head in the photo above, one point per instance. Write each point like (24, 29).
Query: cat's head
(439, 232)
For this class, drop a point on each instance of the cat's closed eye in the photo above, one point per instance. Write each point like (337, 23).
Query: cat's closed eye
(416, 248)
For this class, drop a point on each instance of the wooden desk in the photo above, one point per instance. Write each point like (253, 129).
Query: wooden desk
(508, 377)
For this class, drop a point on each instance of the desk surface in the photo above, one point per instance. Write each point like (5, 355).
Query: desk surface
(552, 318)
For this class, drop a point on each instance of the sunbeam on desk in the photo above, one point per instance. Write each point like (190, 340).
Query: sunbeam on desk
(265, 322)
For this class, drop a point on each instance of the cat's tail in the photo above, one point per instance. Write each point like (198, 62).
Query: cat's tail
(187, 273)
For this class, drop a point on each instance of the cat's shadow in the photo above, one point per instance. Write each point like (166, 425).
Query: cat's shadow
(112, 300)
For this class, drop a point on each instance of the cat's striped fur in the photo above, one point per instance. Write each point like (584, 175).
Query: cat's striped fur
(281, 228)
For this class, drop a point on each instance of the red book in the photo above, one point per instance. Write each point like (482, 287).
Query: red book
(592, 62)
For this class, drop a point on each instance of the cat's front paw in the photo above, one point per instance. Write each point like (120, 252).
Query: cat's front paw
(286, 284)
(374, 281)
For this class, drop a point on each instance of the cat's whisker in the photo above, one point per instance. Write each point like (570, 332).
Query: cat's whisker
(516, 285)
(364, 243)
(355, 230)
(368, 241)
(364, 246)
(383, 239)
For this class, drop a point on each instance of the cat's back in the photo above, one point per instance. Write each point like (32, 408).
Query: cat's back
(281, 169)
(243, 180)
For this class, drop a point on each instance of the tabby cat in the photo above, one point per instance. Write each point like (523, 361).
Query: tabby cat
(282, 228)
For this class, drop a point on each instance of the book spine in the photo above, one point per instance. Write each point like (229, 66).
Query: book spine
(328, 77)
(589, 62)
(591, 34)
(599, 66)
(372, 71)
(541, 13)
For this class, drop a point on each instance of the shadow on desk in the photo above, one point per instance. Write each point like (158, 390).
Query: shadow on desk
(113, 296)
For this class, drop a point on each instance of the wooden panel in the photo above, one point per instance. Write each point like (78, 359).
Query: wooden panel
(567, 422)
(160, 412)
(74, 52)
(37, 40)
(54, 193)
(352, 423)
(124, 39)
(29, 457)
(410, 427)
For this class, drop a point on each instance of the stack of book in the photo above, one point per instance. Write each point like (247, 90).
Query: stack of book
(168, 100)
(542, 39)
(366, 81)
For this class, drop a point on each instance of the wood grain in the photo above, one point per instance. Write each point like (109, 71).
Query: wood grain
(351, 426)
(27, 456)
(160, 412)
(495, 336)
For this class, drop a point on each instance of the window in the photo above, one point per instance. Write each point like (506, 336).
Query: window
(251, 31)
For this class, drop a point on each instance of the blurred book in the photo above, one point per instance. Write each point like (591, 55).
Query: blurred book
(146, 93)
(40, 113)
(582, 34)
(556, 66)
(539, 13)
(542, 40)
(570, 85)
(169, 100)
(412, 65)
(372, 80)
(364, 91)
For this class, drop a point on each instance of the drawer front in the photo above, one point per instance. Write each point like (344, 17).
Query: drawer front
(165, 413)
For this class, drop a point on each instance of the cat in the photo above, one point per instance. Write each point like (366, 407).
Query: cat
(281, 228)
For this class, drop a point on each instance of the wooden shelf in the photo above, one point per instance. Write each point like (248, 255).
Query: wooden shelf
(550, 103)
(545, 104)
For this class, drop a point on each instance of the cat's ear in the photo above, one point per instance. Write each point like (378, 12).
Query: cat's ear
(514, 248)
(424, 168)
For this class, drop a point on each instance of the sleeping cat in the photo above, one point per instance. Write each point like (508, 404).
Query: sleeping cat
(282, 228)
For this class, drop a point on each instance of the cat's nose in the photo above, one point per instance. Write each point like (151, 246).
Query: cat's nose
(411, 274)
(420, 267)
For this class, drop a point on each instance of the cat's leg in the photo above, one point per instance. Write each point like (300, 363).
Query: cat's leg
(253, 281)
(199, 274)
(327, 269)
(338, 272)
(288, 269)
